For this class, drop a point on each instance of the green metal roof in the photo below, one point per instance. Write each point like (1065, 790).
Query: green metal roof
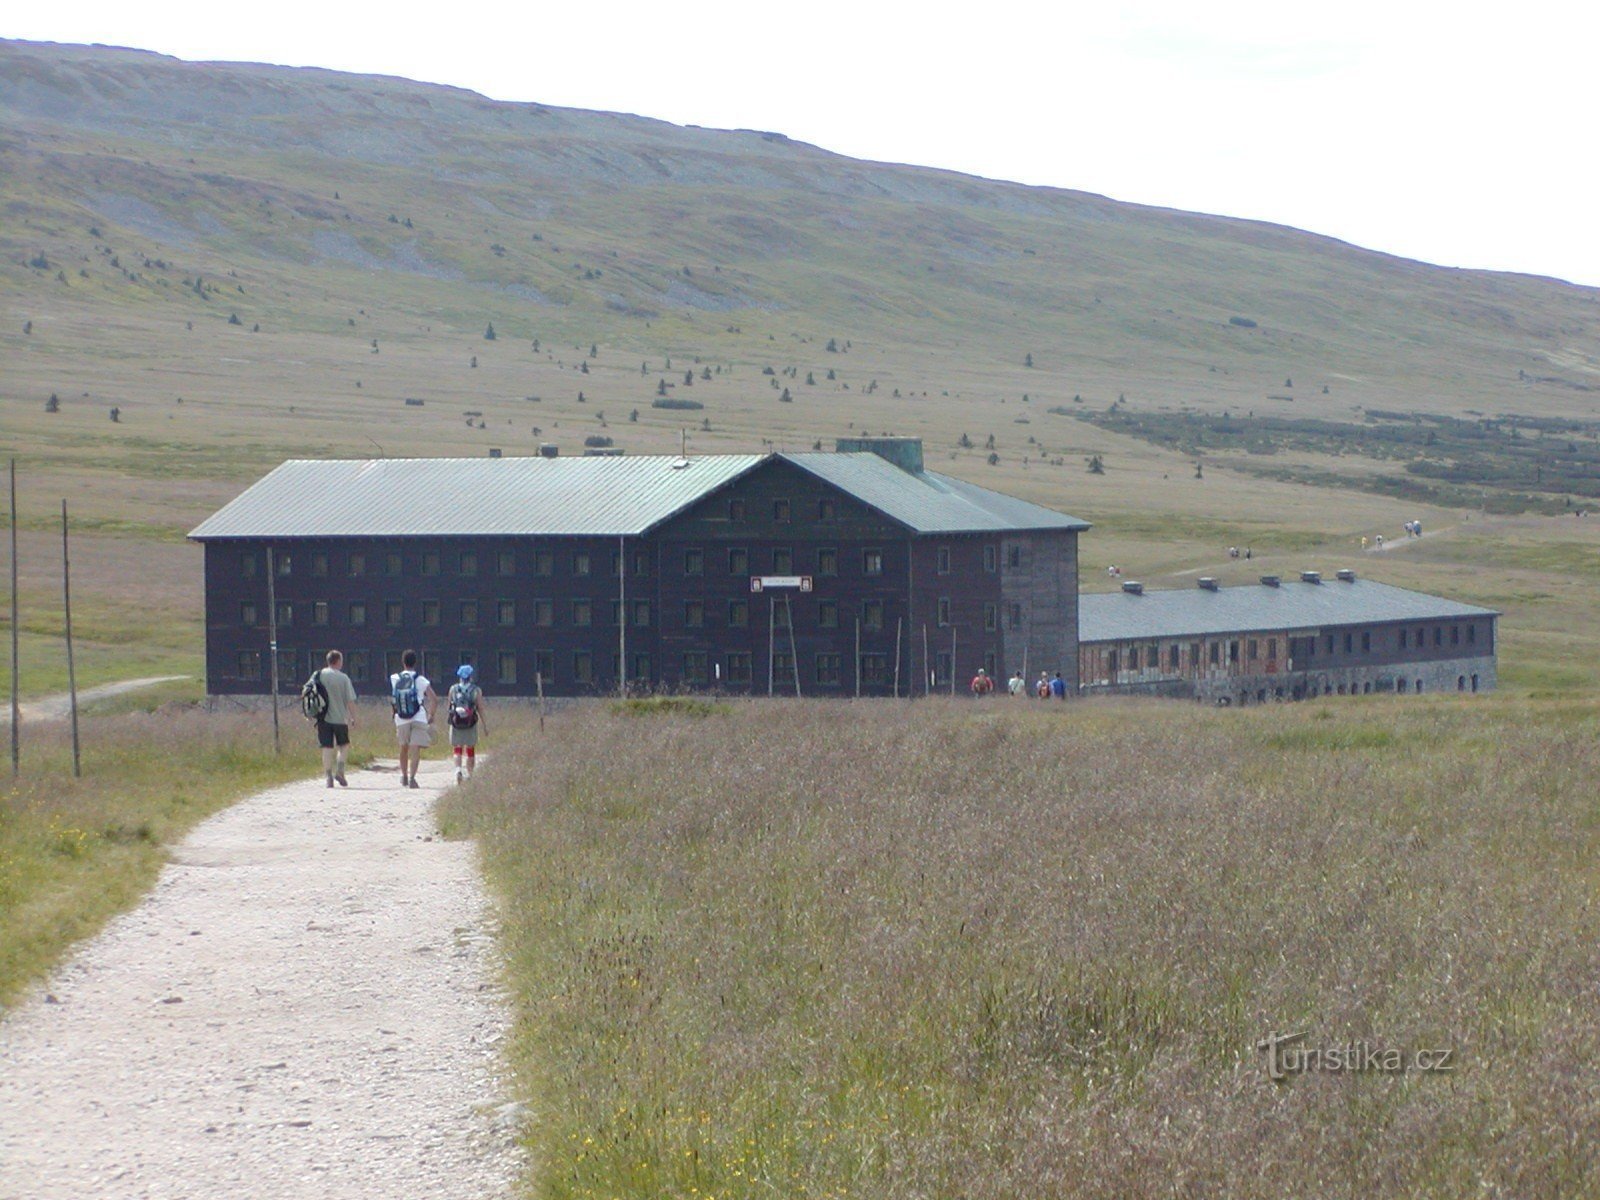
(1292, 605)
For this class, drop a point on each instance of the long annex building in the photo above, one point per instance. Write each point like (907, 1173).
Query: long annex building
(854, 572)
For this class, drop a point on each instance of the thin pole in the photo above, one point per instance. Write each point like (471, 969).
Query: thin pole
(898, 622)
(772, 635)
(927, 671)
(272, 639)
(16, 699)
(858, 658)
(72, 676)
(1025, 676)
(622, 617)
(952, 660)
(794, 653)
(538, 683)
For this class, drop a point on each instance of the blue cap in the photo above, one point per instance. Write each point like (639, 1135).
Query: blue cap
(464, 671)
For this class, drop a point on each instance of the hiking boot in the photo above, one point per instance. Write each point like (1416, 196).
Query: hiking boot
(460, 774)
(338, 777)
(330, 780)
(413, 782)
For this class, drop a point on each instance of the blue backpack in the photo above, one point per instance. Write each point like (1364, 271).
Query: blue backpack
(404, 698)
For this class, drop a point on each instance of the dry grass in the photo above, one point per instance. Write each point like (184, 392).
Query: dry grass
(73, 852)
(1014, 950)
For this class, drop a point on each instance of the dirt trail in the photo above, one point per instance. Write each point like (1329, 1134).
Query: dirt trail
(59, 707)
(304, 1006)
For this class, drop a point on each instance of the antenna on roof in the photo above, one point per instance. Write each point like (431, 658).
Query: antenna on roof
(683, 443)
(381, 454)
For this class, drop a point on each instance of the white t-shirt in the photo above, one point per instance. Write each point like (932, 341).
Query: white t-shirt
(423, 685)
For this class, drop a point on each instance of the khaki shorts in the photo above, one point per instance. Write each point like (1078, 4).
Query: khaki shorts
(414, 733)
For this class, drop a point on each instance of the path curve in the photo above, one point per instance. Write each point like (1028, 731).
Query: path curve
(59, 706)
(306, 1005)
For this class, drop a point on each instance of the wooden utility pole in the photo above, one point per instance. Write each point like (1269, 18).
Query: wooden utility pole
(898, 623)
(16, 700)
(927, 667)
(794, 653)
(772, 627)
(272, 639)
(622, 617)
(952, 660)
(858, 658)
(72, 677)
(538, 684)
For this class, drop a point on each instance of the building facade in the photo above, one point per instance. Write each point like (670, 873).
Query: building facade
(856, 572)
(1280, 640)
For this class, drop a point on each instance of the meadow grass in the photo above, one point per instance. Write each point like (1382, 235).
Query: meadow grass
(1006, 949)
(76, 851)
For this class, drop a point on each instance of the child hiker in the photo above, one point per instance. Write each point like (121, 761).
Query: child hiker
(466, 718)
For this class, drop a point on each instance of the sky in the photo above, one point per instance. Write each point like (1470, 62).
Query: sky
(1452, 133)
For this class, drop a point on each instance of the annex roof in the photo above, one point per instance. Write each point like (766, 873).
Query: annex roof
(1292, 605)
(599, 496)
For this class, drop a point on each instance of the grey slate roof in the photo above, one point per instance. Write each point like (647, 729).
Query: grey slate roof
(625, 496)
(1293, 605)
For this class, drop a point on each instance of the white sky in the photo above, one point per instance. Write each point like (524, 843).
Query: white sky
(1451, 133)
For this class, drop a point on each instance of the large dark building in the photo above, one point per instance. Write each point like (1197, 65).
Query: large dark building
(817, 574)
(1283, 640)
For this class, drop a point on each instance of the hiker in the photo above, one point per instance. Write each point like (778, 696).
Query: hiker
(333, 726)
(1058, 687)
(1042, 688)
(465, 717)
(1017, 684)
(982, 685)
(414, 703)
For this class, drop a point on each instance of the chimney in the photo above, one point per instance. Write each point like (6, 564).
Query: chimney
(903, 452)
(1347, 575)
(1133, 587)
(1208, 582)
(1310, 577)
(1271, 580)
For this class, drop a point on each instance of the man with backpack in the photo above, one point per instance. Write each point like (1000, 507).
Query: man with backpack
(464, 709)
(414, 703)
(329, 699)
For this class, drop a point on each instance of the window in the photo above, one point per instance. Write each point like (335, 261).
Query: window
(582, 613)
(694, 614)
(357, 565)
(469, 612)
(582, 666)
(1133, 658)
(391, 662)
(616, 563)
(738, 561)
(1194, 654)
(247, 612)
(285, 564)
(580, 563)
(1111, 662)
(694, 561)
(1152, 656)
(1349, 643)
(826, 509)
(827, 614)
(392, 612)
(872, 562)
(1438, 635)
(506, 562)
(943, 611)
(1366, 639)
(285, 613)
(641, 613)
(248, 665)
(430, 612)
(1330, 643)
(641, 564)
(780, 511)
(288, 670)
(991, 617)
(783, 669)
(696, 668)
(247, 568)
(1174, 657)
(735, 510)
(828, 670)
(319, 566)
(1455, 635)
(641, 668)
(319, 612)
(432, 664)
(544, 666)
(1014, 557)
(505, 612)
(615, 608)
(544, 563)
(469, 562)
(827, 561)
(1402, 639)
(1216, 653)
(467, 657)
(506, 666)
(739, 667)
(874, 669)
(942, 558)
(738, 614)
(872, 616)
(1472, 634)
(357, 664)
(1233, 652)
(782, 560)
(1272, 647)
(1250, 648)
(391, 566)
(991, 558)
(1016, 614)
(943, 669)
(429, 564)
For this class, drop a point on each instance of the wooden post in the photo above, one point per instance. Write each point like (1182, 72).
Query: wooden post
(538, 685)
(927, 667)
(858, 658)
(772, 626)
(272, 639)
(16, 666)
(898, 622)
(952, 661)
(72, 676)
(622, 617)
(794, 652)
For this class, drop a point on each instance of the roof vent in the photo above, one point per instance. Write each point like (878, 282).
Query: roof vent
(1310, 577)
(1207, 582)
(679, 464)
(1133, 587)
(548, 450)
(1271, 580)
(1347, 575)
(494, 451)
(903, 452)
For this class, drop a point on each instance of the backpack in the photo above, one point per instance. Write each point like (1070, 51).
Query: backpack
(404, 698)
(314, 698)
(463, 706)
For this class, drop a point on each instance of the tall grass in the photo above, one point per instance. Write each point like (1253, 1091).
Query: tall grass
(73, 852)
(1000, 950)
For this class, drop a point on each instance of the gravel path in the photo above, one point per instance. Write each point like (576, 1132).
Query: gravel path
(59, 707)
(304, 1006)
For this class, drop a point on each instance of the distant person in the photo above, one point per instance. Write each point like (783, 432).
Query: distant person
(333, 727)
(464, 714)
(1058, 687)
(1042, 688)
(414, 703)
(1017, 684)
(982, 685)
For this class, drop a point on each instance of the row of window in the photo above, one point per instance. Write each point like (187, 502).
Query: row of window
(1300, 649)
